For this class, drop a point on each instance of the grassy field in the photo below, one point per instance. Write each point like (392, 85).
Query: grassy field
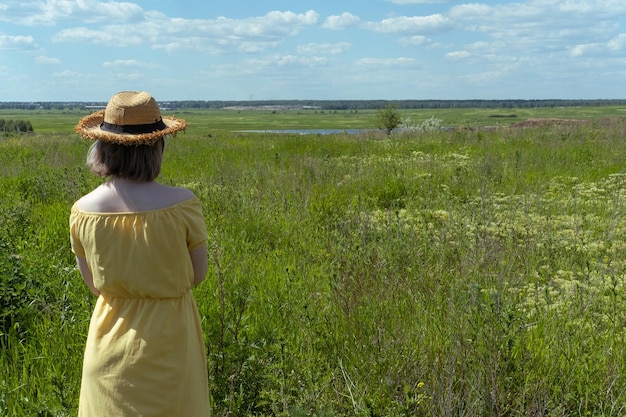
(452, 273)
(209, 121)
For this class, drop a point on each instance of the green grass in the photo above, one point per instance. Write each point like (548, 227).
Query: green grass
(469, 272)
(210, 121)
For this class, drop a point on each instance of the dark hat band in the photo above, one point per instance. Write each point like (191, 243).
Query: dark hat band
(133, 129)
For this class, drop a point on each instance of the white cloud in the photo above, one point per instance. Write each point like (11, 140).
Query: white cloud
(287, 60)
(273, 24)
(220, 35)
(597, 49)
(276, 65)
(293, 60)
(558, 29)
(617, 43)
(46, 60)
(417, 40)
(112, 36)
(408, 24)
(17, 42)
(342, 21)
(458, 55)
(584, 49)
(536, 18)
(482, 47)
(386, 62)
(127, 63)
(596, 8)
(119, 11)
(323, 48)
(50, 12)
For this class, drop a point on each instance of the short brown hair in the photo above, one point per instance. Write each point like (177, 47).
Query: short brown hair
(134, 162)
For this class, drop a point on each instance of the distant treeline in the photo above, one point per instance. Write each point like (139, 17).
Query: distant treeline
(15, 126)
(399, 104)
(335, 104)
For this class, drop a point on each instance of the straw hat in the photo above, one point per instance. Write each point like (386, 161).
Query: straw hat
(130, 118)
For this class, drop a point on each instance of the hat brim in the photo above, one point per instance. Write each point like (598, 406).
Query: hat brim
(89, 128)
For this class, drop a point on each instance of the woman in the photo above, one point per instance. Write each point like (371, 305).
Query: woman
(140, 247)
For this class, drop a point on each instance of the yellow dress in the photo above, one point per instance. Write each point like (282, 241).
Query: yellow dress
(145, 354)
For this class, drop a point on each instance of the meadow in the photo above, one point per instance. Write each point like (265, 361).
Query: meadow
(209, 121)
(466, 272)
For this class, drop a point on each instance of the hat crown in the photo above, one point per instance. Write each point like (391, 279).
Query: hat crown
(130, 118)
(132, 108)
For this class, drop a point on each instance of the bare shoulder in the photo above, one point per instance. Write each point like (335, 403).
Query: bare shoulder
(128, 197)
(94, 201)
(178, 194)
(161, 196)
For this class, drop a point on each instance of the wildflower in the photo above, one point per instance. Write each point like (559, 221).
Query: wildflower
(441, 215)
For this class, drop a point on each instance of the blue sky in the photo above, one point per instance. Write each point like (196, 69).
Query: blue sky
(85, 50)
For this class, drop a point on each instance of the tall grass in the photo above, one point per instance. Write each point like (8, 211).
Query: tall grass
(461, 273)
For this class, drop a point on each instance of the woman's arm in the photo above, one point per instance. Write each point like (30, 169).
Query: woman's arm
(86, 274)
(200, 262)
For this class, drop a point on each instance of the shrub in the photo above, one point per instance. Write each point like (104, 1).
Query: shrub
(15, 126)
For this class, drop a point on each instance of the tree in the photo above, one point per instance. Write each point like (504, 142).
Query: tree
(389, 118)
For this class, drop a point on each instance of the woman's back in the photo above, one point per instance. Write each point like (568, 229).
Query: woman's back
(145, 335)
(140, 254)
(121, 195)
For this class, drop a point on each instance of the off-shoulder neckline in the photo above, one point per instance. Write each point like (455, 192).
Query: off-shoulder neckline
(76, 209)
